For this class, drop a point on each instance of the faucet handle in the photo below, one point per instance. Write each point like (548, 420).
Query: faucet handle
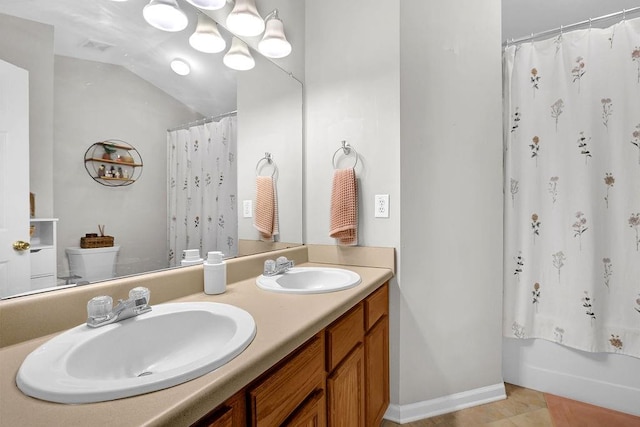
(138, 293)
(269, 267)
(282, 260)
(99, 307)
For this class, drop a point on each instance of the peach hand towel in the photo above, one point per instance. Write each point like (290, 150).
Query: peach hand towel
(266, 216)
(344, 207)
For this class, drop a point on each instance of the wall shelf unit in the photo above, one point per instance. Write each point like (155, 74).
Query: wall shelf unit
(113, 163)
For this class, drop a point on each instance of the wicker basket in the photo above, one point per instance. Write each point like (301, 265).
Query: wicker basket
(96, 242)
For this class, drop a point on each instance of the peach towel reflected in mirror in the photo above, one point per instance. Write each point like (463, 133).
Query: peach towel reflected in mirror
(266, 215)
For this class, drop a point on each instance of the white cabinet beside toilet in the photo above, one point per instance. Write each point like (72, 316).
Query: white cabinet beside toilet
(43, 253)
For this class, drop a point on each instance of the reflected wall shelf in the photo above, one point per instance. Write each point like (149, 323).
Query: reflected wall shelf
(113, 163)
(43, 253)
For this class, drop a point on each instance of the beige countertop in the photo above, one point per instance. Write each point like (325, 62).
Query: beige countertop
(283, 322)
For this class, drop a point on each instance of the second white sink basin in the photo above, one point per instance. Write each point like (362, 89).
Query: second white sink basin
(172, 344)
(309, 280)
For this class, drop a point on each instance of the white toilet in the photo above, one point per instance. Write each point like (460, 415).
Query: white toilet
(92, 264)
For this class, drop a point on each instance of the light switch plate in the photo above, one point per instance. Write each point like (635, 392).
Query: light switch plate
(382, 206)
(247, 208)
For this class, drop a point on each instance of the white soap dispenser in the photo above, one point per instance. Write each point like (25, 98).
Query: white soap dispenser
(215, 274)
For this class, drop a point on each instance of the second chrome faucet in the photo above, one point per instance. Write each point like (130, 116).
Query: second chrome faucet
(279, 266)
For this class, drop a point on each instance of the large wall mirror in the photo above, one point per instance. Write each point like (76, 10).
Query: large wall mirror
(98, 71)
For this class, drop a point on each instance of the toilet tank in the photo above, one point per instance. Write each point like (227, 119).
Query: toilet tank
(93, 264)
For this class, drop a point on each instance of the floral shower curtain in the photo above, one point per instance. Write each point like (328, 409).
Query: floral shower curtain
(202, 189)
(572, 190)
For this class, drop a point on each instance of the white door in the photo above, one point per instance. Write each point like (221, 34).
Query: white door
(14, 179)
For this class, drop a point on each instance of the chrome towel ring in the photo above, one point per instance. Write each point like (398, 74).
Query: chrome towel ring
(346, 149)
(267, 158)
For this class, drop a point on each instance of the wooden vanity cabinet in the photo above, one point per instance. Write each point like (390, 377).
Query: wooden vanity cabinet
(358, 363)
(338, 378)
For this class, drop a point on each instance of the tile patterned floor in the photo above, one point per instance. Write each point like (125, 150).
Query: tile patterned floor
(522, 408)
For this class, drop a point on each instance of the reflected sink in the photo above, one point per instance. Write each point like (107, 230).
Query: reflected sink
(172, 344)
(309, 280)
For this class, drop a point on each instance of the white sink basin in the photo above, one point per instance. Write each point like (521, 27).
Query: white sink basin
(309, 280)
(169, 345)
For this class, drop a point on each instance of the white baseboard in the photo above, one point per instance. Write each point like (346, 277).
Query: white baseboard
(430, 408)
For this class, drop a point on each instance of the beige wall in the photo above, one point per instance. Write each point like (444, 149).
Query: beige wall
(420, 101)
(352, 93)
(451, 174)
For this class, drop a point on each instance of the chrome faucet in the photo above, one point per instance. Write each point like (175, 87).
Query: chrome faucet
(279, 266)
(101, 311)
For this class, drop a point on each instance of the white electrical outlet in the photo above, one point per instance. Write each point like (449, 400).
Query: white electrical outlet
(247, 208)
(382, 206)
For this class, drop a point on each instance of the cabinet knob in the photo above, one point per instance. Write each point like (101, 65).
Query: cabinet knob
(19, 245)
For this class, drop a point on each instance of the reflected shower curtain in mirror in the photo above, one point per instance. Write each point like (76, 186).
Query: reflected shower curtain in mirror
(202, 189)
(572, 189)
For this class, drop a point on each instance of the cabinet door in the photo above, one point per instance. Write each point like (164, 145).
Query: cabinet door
(311, 414)
(345, 392)
(377, 372)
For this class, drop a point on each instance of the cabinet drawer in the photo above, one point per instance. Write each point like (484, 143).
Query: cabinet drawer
(279, 394)
(376, 306)
(343, 335)
(43, 262)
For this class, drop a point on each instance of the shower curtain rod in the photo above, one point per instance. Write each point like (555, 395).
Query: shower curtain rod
(203, 121)
(562, 28)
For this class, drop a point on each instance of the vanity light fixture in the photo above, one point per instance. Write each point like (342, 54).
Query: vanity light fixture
(180, 66)
(239, 58)
(208, 4)
(244, 19)
(274, 43)
(165, 15)
(207, 38)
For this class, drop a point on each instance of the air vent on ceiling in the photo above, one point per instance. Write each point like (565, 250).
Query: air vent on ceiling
(96, 45)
